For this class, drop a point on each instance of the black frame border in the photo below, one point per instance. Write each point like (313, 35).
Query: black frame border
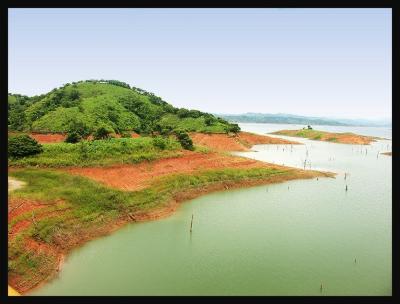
(197, 4)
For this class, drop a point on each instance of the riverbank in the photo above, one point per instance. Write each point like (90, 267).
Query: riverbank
(243, 141)
(61, 209)
(342, 138)
(387, 153)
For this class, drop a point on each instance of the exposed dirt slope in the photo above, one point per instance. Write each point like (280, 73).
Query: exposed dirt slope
(342, 138)
(241, 142)
(139, 176)
(48, 137)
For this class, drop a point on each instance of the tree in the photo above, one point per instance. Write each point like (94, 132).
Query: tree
(16, 117)
(309, 127)
(23, 145)
(72, 137)
(184, 139)
(74, 94)
(102, 133)
(209, 120)
(182, 113)
(80, 128)
(234, 128)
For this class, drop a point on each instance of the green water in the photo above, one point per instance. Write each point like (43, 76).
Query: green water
(282, 239)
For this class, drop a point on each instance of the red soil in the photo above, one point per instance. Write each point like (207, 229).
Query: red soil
(241, 142)
(48, 138)
(18, 227)
(342, 138)
(17, 207)
(139, 176)
(133, 135)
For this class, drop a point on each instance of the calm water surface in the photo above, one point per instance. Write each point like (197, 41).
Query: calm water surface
(282, 239)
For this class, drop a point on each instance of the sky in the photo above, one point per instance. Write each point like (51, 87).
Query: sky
(315, 62)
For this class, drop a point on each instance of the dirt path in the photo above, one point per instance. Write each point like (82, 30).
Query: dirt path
(14, 184)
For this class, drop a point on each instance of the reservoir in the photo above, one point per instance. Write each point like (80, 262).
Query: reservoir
(279, 239)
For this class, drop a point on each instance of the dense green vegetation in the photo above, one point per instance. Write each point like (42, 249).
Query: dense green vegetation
(101, 152)
(185, 141)
(23, 145)
(109, 104)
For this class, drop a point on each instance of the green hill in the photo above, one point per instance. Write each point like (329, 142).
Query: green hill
(111, 104)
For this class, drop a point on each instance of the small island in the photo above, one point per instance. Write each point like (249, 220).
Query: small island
(387, 153)
(341, 138)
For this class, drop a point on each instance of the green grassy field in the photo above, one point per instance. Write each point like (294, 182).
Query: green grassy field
(102, 152)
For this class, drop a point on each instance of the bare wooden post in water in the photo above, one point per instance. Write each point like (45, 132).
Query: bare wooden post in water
(191, 224)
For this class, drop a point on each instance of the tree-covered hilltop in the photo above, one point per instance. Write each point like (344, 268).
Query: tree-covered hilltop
(109, 104)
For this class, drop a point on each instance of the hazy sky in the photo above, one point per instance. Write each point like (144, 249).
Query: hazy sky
(321, 62)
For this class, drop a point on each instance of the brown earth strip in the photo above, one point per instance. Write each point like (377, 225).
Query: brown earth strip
(48, 137)
(243, 141)
(342, 138)
(139, 176)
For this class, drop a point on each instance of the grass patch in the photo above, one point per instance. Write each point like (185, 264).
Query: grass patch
(101, 152)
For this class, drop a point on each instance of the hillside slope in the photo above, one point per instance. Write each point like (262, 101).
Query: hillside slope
(106, 103)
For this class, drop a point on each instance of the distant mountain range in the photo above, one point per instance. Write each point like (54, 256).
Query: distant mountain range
(282, 118)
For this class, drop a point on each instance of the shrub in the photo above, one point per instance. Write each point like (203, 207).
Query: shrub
(126, 135)
(72, 137)
(234, 128)
(159, 142)
(184, 139)
(102, 133)
(23, 145)
(80, 128)
(83, 151)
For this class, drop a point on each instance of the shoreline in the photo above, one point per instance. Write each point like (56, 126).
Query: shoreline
(171, 207)
(339, 138)
(158, 212)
